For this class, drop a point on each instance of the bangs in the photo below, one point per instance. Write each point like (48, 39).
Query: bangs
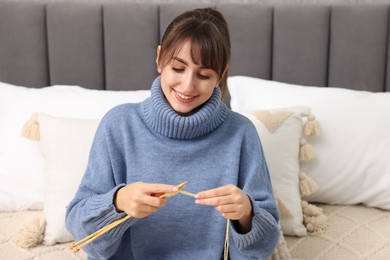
(206, 50)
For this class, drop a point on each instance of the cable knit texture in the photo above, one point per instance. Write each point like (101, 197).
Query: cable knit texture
(150, 142)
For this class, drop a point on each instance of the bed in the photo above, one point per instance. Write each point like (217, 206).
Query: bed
(324, 66)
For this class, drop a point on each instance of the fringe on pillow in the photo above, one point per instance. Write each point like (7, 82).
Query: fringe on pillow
(306, 151)
(30, 234)
(30, 129)
(311, 127)
(307, 185)
(313, 218)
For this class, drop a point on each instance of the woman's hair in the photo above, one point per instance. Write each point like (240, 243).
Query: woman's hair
(208, 32)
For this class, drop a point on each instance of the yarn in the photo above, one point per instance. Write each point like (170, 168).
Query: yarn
(30, 234)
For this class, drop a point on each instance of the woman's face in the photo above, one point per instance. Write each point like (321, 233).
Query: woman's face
(186, 85)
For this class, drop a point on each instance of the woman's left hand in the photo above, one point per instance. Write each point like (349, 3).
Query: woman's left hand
(231, 202)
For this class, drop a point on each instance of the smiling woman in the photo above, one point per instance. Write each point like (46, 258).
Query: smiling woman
(187, 85)
(182, 132)
(206, 36)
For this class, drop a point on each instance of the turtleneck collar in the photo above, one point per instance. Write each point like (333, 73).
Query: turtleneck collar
(160, 116)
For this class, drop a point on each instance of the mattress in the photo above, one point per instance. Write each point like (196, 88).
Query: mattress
(10, 223)
(354, 232)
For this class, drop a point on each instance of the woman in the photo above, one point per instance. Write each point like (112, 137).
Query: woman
(183, 132)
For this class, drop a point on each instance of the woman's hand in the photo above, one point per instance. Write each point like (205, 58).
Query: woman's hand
(231, 202)
(141, 199)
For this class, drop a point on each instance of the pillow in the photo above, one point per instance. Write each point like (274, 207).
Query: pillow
(352, 164)
(21, 164)
(281, 134)
(65, 144)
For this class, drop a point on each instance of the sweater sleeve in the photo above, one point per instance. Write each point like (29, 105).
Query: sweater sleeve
(254, 179)
(92, 208)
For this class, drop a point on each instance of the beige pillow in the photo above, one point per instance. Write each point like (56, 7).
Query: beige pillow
(282, 136)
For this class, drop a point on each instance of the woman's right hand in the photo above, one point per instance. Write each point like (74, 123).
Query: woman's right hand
(140, 199)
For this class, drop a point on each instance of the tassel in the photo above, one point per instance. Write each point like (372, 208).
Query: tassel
(307, 185)
(312, 127)
(306, 151)
(30, 129)
(310, 210)
(316, 225)
(30, 234)
(313, 218)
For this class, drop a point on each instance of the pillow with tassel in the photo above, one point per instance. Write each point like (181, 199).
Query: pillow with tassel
(64, 144)
(283, 134)
(21, 164)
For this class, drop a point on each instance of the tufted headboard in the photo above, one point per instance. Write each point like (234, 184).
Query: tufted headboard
(113, 45)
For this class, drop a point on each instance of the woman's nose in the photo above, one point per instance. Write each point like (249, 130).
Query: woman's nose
(188, 83)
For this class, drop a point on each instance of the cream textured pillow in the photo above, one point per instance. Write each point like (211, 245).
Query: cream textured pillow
(282, 138)
(352, 164)
(65, 144)
(21, 164)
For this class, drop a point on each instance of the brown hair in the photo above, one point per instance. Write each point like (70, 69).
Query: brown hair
(208, 32)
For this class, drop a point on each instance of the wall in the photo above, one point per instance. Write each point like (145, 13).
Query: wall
(224, 1)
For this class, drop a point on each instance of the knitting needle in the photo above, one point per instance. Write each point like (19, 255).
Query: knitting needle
(187, 193)
(75, 247)
(170, 194)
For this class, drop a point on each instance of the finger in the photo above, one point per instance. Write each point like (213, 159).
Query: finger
(143, 211)
(217, 192)
(232, 216)
(158, 194)
(153, 201)
(158, 188)
(214, 201)
(228, 209)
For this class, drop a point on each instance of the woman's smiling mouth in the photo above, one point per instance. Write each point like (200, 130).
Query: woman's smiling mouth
(184, 98)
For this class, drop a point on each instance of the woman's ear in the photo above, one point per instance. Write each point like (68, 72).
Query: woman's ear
(158, 54)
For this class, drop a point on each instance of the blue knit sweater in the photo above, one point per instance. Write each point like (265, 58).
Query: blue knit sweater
(150, 142)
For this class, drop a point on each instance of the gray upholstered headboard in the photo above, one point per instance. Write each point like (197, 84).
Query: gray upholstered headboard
(113, 45)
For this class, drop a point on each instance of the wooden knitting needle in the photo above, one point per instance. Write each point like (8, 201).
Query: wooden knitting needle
(75, 247)
(187, 193)
(171, 194)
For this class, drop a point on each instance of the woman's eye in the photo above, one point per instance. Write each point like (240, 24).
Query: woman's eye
(201, 76)
(178, 70)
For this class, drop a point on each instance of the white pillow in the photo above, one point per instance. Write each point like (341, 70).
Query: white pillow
(21, 179)
(352, 163)
(65, 144)
(280, 132)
